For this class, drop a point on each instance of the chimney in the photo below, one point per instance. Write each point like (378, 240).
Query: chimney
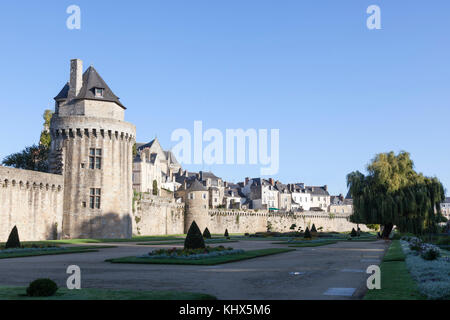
(246, 181)
(76, 78)
(271, 181)
(325, 187)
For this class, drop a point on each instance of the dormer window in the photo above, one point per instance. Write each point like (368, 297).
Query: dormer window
(98, 92)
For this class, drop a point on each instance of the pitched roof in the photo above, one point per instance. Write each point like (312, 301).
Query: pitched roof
(196, 186)
(91, 80)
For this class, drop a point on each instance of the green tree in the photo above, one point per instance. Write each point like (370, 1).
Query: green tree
(45, 139)
(134, 150)
(393, 193)
(307, 234)
(13, 239)
(31, 158)
(155, 188)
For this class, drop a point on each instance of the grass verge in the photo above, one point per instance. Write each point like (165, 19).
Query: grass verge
(48, 253)
(182, 242)
(18, 293)
(207, 261)
(396, 281)
(82, 241)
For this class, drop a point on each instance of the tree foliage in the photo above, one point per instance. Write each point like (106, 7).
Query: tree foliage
(307, 234)
(45, 139)
(393, 193)
(31, 158)
(155, 188)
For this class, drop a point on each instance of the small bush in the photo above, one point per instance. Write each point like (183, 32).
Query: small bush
(13, 239)
(42, 288)
(206, 234)
(226, 235)
(430, 252)
(353, 233)
(307, 234)
(194, 238)
(415, 244)
(313, 228)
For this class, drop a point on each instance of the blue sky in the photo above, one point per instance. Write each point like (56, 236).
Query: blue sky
(338, 92)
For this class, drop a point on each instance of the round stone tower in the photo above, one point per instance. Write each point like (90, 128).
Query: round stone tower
(92, 148)
(195, 197)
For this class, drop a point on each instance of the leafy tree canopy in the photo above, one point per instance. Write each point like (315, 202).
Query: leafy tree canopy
(31, 158)
(393, 193)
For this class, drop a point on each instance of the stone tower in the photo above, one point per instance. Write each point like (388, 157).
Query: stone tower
(92, 148)
(195, 196)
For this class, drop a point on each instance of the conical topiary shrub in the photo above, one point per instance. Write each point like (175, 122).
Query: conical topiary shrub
(13, 239)
(307, 234)
(194, 238)
(206, 234)
(313, 229)
(226, 235)
(353, 233)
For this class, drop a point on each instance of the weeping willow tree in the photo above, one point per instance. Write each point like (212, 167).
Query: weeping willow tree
(393, 193)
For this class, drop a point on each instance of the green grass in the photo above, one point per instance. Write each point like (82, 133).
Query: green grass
(312, 244)
(182, 242)
(207, 261)
(18, 293)
(396, 282)
(395, 252)
(48, 253)
(84, 241)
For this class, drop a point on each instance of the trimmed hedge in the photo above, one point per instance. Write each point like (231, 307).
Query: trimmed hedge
(194, 238)
(13, 239)
(42, 288)
(206, 234)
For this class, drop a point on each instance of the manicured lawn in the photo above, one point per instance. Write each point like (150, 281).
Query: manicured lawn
(47, 253)
(18, 293)
(395, 252)
(81, 241)
(182, 242)
(396, 281)
(207, 261)
(312, 244)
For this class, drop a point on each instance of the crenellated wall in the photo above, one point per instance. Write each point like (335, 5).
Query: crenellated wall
(154, 215)
(32, 201)
(250, 222)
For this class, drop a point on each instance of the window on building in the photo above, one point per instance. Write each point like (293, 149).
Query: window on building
(99, 92)
(95, 158)
(95, 196)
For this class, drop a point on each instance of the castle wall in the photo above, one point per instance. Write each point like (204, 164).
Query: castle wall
(155, 215)
(32, 201)
(250, 222)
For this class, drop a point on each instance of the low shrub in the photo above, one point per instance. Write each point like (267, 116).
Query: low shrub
(415, 244)
(13, 239)
(226, 235)
(430, 252)
(194, 238)
(353, 233)
(42, 288)
(206, 234)
(307, 234)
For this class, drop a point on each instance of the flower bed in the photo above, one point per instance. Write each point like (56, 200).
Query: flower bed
(432, 276)
(190, 254)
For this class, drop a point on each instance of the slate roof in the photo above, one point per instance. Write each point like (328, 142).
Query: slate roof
(196, 186)
(91, 80)
(317, 191)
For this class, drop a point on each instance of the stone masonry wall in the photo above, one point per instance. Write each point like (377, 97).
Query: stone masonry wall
(158, 216)
(155, 215)
(32, 201)
(250, 222)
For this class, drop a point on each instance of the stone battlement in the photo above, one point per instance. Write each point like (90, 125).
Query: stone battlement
(11, 177)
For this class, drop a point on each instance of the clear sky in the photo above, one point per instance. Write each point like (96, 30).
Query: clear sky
(338, 92)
